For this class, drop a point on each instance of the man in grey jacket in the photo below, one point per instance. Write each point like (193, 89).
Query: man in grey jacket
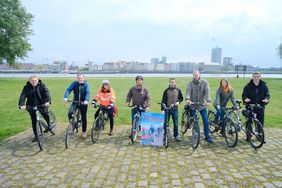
(198, 97)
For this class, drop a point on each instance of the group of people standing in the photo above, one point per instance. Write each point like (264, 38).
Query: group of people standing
(197, 97)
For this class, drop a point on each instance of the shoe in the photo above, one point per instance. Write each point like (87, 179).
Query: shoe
(83, 134)
(177, 139)
(111, 133)
(209, 140)
(34, 139)
(129, 136)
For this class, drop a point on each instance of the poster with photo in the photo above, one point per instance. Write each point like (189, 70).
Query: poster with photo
(152, 130)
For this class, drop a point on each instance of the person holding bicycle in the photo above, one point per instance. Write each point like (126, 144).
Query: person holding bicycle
(35, 93)
(81, 95)
(256, 92)
(198, 91)
(140, 97)
(223, 94)
(106, 97)
(172, 96)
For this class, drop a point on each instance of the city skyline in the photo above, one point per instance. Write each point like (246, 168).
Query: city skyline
(103, 31)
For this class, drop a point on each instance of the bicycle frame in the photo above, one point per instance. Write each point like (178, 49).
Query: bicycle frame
(135, 129)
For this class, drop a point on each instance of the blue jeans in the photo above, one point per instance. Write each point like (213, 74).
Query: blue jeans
(219, 113)
(174, 114)
(133, 112)
(204, 115)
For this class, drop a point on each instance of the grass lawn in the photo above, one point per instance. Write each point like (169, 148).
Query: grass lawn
(13, 120)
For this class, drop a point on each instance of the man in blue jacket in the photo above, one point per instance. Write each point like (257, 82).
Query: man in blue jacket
(81, 96)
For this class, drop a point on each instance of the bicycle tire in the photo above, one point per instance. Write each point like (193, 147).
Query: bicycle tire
(195, 135)
(166, 137)
(212, 125)
(69, 134)
(230, 133)
(184, 122)
(53, 122)
(39, 135)
(96, 129)
(257, 134)
(134, 130)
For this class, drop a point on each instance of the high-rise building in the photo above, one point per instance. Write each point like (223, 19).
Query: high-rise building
(216, 55)
(227, 61)
(163, 60)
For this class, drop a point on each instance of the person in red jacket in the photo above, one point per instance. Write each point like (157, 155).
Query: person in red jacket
(106, 97)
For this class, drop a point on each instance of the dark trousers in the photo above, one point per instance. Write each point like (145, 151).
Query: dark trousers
(110, 113)
(44, 112)
(83, 112)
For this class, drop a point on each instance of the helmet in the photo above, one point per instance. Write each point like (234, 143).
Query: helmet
(139, 77)
(105, 82)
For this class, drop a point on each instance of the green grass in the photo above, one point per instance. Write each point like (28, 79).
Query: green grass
(13, 120)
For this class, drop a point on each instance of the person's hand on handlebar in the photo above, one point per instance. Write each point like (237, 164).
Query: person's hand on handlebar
(189, 102)
(265, 100)
(47, 104)
(147, 109)
(23, 107)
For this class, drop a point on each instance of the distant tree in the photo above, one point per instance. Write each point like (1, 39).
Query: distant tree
(15, 29)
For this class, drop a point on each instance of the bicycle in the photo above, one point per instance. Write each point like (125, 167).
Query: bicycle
(40, 123)
(187, 120)
(74, 123)
(226, 125)
(251, 126)
(166, 138)
(136, 127)
(99, 123)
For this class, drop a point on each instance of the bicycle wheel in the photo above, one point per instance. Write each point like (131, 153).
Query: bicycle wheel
(39, 134)
(135, 130)
(69, 134)
(230, 133)
(96, 129)
(212, 125)
(184, 122)
(52, 122)
(256, 133)
(166, 137)
(195, 134)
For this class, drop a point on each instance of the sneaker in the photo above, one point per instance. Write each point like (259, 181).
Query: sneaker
(83, 134)
(34, 139)
(209, 140)
(177, 139)
(111, 133)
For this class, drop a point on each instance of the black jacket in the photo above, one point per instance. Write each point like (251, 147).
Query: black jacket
(179, 98)
(39, 94)
(256, 93)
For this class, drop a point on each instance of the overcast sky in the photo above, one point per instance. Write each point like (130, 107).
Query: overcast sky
(111, 30)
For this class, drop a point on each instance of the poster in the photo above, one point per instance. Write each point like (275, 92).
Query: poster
(152, 129)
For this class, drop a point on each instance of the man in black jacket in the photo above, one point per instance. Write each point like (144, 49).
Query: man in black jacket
(256, 92)
(172, 96)
(37, 94)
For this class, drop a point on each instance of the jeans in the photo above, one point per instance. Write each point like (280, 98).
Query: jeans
(83, 112)
(174, 114)
(219, 113)
(204, 115)
(133, 112)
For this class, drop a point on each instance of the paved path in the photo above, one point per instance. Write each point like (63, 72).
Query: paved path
(115, 162)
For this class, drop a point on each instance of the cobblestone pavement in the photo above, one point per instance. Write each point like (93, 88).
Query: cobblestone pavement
(116, 162)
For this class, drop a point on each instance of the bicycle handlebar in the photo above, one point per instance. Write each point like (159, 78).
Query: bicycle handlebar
(34, 107)
(137, 106)
(165, 107)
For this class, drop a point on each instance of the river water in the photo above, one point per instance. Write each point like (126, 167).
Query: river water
(63, 75)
